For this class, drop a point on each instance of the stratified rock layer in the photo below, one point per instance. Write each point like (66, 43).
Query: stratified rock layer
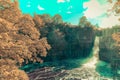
(47, 73)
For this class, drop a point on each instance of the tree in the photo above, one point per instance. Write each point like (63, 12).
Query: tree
(38, 21)
(46, 18)
(82, 21)
(116, 7)
(9, 8)
(57, 19)
(85, 23)
(20, 41)
(8, 71)
(116, 37)
(26, 26)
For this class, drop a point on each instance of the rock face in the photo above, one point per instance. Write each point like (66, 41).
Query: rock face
(50, 73)
(109, 48)
(47, 73)
(68, 41)
(82, 73)
(109, 44)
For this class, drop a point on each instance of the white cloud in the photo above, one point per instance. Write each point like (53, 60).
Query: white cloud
(62, 1)
(40, 8)
(95, 10)
(69, 12)
(109, 21)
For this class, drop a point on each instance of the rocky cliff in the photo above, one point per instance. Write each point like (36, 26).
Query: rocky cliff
(68, 41)
(109, 44)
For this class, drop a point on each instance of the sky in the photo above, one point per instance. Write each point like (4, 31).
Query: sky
(72, 10)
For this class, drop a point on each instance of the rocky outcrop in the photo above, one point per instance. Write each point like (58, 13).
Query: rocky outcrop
(109, 44)
(47, 73)
(52, 73)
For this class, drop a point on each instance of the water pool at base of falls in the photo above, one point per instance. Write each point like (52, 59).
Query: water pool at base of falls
(75, 66)
(71, 65)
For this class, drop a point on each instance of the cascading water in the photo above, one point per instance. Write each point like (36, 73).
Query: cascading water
(85, 69)
(88, 70)
(94, 59)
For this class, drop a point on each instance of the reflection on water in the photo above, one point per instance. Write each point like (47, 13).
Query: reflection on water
(67, 64)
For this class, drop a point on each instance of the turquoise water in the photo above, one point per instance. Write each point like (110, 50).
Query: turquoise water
(104, 69)
(66, 64)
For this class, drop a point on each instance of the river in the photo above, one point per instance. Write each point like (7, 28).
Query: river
(90, 68)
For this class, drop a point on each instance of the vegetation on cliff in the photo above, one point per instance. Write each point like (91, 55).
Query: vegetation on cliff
(20, 41)
(116, 6)
(9, 71)
(66, 40)
(108, 44)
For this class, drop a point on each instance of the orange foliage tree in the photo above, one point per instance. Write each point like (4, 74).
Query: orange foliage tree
(8, 71)
(20, 41)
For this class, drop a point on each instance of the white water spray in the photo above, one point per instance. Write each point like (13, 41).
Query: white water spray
(94, 59)
(87, 70)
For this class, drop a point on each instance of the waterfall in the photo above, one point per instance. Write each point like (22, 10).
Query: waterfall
(94, 59)
(87, 70)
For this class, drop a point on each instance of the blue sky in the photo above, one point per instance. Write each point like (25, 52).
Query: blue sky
(72, 10)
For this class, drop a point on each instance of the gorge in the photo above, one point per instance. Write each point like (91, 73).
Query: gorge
(45, 47)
